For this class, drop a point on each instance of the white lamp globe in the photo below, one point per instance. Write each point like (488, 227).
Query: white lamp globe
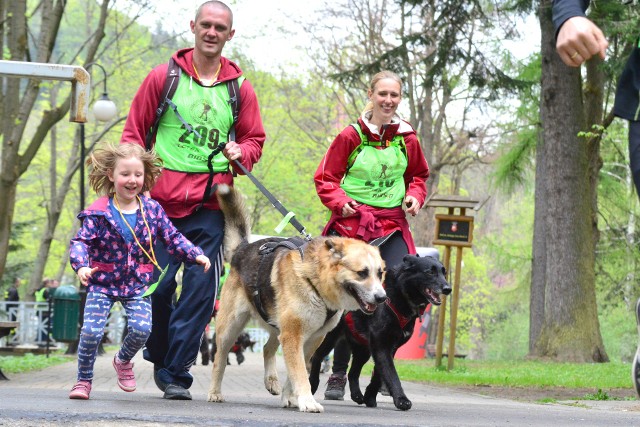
(104, 109)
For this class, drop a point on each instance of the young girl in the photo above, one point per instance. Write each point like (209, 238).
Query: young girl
(113, 255)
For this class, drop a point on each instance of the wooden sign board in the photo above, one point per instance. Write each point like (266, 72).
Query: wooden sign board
(454, 230)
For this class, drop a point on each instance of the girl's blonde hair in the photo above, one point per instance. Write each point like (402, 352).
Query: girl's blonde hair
(103, 160)
(384, 74)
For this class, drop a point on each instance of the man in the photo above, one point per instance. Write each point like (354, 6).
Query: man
(577, 40)
(203, 102)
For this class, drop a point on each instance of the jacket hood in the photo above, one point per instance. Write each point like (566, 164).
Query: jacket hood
(228, 70)
(387, 132)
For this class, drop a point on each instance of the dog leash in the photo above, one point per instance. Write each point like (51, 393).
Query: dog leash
(289, 216)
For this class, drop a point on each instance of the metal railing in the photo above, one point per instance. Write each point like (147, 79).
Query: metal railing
(34, 321)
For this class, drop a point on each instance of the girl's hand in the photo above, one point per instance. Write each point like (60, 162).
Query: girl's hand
(84, 273)
(412, 205)
(349, 208)
(203, 260)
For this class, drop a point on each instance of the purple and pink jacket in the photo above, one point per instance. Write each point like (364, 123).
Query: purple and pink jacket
(123, 269)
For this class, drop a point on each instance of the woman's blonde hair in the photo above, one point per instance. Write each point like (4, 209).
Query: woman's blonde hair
(103, 161)
(384, 74)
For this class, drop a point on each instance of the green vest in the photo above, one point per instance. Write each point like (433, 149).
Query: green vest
(376, 176)
(208, 110)
(39, 294)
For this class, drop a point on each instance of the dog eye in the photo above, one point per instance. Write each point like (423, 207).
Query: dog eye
(363, 274)
(380, 272)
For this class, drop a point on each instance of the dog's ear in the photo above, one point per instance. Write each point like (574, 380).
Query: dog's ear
(335, 247)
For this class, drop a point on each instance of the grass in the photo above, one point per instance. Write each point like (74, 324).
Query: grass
(31, 362)
(518, 373)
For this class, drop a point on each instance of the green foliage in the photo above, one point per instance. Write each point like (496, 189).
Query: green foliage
(619, 331)
(30, 362)
(599, 395)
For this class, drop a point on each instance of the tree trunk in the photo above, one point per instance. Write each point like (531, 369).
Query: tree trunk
(564, 255)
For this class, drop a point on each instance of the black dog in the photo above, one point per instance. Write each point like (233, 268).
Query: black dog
(410, 286)
(242, 343)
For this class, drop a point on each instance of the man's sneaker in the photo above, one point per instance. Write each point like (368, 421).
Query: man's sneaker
(635, 366)
(81, 390)
(126, 379)
(335, 386)
(156, 378)
(176, 392)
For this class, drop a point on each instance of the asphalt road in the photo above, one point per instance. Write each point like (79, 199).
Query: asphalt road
(41, 399)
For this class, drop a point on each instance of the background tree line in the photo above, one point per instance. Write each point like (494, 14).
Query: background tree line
(554, 247)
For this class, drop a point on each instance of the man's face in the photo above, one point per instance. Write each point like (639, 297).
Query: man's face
(212, 30)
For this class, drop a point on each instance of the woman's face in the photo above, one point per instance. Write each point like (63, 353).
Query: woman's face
(385, 98)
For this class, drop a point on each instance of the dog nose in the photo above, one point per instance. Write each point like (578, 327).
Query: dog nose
(382, 297)
(446, 290)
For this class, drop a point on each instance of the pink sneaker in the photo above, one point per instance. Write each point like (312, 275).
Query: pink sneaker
(81, 390)
(126, 379)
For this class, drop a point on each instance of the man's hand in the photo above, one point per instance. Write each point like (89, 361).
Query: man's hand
(232, 151)
(578, 40)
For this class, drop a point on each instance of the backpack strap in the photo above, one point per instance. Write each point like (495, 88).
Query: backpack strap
(170, 86)
(234, 100)
(364, 141)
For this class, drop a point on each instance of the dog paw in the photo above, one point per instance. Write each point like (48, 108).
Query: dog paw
(272, 385)
(357, 397)
(309, 404)
(402, 403)
(371, 402)
(215, 397)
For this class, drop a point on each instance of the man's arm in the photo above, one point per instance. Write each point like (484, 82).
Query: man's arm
(577, 38)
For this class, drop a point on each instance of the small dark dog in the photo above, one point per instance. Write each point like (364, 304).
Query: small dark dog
(242, 343)
(410, 286)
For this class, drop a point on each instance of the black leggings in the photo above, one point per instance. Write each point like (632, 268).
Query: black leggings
(634, 153)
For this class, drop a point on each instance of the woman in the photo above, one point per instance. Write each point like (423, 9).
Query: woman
(370, 169)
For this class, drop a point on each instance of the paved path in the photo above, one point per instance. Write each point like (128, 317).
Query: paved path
(41, 399)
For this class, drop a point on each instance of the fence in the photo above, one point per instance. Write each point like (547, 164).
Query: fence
(34, 320)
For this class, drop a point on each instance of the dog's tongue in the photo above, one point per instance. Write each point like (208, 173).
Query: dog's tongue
(435, 298)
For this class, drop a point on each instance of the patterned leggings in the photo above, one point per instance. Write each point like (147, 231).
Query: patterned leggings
(96, 312)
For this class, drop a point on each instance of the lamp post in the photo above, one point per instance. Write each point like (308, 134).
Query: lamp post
(104, 110)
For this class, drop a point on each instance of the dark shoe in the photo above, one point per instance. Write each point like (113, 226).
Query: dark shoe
(635, 366)
(176, 392)
(335, 387)
(159, 383)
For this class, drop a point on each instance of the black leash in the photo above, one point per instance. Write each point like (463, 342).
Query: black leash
(289, 217)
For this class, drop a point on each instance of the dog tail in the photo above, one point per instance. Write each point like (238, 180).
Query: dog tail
(237, 226)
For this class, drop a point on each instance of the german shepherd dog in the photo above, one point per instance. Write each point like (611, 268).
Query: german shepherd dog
(410, 286)
(297, 295)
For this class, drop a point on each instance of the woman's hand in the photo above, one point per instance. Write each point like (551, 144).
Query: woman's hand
(349, 208)
(84, 273)
(413, 207)
(203, 260)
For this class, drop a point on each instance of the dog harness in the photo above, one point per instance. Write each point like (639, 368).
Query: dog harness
(267, 254)
(361, 338)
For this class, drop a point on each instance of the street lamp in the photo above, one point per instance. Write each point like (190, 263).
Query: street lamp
(104, 110)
